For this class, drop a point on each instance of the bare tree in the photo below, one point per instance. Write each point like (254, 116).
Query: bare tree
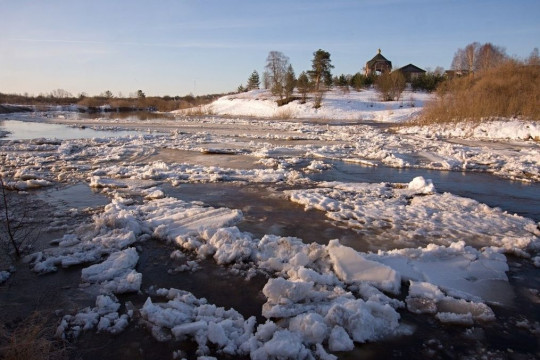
(478, 57)
(390, 85)
(61, 94)
(16, 228)
(534, 58)
(471, 51)
(276, 70)
(489, 56)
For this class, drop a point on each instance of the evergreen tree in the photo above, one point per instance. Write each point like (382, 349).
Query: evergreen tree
(253, 81)
(290, 82)
(303, 85)
(320, 68)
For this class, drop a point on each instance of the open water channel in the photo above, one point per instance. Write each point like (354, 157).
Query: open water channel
(266, 212)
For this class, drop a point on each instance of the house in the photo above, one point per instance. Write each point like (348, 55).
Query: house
(450, 74)
(411, 72)
(378, 65)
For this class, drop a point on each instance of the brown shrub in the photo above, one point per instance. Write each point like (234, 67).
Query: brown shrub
(32, 339)
(509, 90)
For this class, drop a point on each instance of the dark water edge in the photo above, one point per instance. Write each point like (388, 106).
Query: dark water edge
(265, 213)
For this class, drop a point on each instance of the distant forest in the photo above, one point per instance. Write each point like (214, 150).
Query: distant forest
(107, 102)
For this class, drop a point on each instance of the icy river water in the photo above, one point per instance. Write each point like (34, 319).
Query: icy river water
(267, 210)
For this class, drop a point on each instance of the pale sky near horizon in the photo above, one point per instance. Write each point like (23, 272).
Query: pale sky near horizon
(177, 47)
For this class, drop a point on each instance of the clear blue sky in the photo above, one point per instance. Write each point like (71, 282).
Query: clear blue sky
(212, 46)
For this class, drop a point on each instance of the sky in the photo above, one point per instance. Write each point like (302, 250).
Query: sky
(181, 47)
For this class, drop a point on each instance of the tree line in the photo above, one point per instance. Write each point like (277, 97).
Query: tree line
(107, 101)
(279, 77)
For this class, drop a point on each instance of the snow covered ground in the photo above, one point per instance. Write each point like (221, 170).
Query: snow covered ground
(439, 254)
(336, 105)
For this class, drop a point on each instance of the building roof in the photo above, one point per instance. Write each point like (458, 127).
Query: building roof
(411, 69)
(378, 58)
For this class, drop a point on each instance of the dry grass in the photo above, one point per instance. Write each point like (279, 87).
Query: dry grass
(201, 110)
(283, 114)
(32, 339)
(507, 91)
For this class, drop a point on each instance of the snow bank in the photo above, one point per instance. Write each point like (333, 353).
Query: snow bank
(336, 105)
(503, 129)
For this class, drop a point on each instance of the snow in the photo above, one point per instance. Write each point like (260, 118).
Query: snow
(351, 267)
(446, 254)
(4, 275)
(401, 215)
(104, 317)
(117, 273)
(502, 129)
(336, 104)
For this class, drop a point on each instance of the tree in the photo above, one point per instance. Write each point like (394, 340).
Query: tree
(303, 85)
(240, 89)
(320, 68)
(276, 69)
(478, 57)
(390, 85)
(290, 83)
(489, 56)
(16, 229)
(140, 94)
(534, 58)
(107, 94)
(465, 59)
(428, 81)
(253, 81)
(61, 94)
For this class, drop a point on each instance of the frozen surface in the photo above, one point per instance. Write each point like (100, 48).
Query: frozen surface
(405, 215)
(449, 251)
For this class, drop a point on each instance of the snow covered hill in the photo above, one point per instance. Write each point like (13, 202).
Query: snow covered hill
(336, 105)
(365, 105)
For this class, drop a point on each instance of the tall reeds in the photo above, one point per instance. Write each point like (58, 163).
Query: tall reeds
(506, 91)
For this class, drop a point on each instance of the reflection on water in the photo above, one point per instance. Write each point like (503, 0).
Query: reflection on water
(24, 130)
(76, 196)
(126, 115)
(265, 212)
(512, 196)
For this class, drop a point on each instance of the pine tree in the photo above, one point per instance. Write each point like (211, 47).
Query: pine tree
(253, 81)
(303, 85)
(321, 65)
(290, 82)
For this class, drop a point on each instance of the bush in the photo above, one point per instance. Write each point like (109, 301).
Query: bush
(32, 339)
(428, 82)
(390, 85)
(508, 90)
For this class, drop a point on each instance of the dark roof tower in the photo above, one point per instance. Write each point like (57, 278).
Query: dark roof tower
(379, 64)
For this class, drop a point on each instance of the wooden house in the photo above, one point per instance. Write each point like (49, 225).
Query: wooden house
(411, 72)
(378, 65)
